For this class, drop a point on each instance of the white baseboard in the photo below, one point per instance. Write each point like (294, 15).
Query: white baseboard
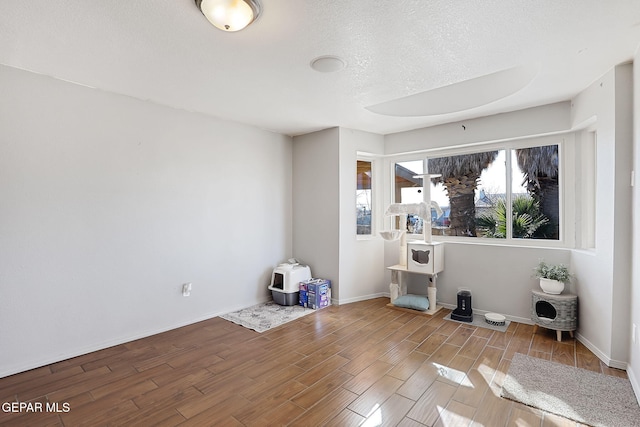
(634, 382)
(360, 298)
(524, 320)
(618, 364)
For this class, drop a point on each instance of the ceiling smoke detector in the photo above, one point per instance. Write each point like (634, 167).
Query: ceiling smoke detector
(328, 64)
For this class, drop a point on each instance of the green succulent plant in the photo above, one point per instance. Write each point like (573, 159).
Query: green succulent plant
(558, 272)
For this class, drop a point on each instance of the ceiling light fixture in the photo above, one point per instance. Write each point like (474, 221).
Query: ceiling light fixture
(230, 15)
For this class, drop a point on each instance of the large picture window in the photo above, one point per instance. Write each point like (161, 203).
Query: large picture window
(507, 193)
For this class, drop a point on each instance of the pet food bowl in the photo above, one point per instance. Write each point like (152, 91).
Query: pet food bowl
(495, 319)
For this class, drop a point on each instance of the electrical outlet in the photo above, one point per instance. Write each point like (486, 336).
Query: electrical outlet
(186, 289)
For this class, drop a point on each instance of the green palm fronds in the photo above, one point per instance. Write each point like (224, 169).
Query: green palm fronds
(527, 221)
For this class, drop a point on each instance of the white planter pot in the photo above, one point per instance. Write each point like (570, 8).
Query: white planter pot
(550, 286)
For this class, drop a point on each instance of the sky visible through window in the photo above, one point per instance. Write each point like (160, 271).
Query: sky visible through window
(492, 182)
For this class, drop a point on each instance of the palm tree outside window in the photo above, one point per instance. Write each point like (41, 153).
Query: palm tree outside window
(478, 191)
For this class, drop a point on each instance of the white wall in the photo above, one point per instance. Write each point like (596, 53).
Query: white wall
(316, 204)
(109, 204)
(541, 120)
(324, 226)
(603, 274)
(500, 278)
(361, 259)
(623, 243)
(633, 368)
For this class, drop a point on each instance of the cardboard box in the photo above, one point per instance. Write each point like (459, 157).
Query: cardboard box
(318, 293)
(302, 295)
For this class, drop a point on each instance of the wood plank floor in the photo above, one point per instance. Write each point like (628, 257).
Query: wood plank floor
(350, 365)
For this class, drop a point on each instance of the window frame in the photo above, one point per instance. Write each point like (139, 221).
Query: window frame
(566, 181)
(360, 157)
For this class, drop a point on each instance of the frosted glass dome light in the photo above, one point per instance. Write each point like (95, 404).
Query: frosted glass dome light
(230, 15)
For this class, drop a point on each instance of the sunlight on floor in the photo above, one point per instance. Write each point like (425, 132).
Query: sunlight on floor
(484, 376)
(374, 418)
(454, 375)
(519, 422)
(493, 377)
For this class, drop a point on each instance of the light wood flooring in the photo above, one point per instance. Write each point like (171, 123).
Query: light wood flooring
(356, 364)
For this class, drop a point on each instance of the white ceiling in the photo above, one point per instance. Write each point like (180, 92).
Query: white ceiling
(168, 53)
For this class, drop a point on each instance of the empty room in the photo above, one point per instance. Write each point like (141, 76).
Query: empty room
(309, 213)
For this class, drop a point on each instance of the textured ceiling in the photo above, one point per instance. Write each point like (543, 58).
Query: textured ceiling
(168, 53)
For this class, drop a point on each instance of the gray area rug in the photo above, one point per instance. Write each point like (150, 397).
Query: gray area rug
(478, 320)
(267, 315)
(578, 394)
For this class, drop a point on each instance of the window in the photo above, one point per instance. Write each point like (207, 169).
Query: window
(468, 181)
(363, 197)
(478, 191)
(408, 189)
(535, 199)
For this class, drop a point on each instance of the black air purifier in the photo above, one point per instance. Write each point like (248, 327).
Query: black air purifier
(463, 313)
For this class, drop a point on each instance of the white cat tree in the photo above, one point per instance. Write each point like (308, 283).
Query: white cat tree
(422, 257)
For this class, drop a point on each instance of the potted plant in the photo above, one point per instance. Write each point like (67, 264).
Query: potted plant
(553, 278)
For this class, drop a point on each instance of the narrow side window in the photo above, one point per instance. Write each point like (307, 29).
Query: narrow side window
(363, 198)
